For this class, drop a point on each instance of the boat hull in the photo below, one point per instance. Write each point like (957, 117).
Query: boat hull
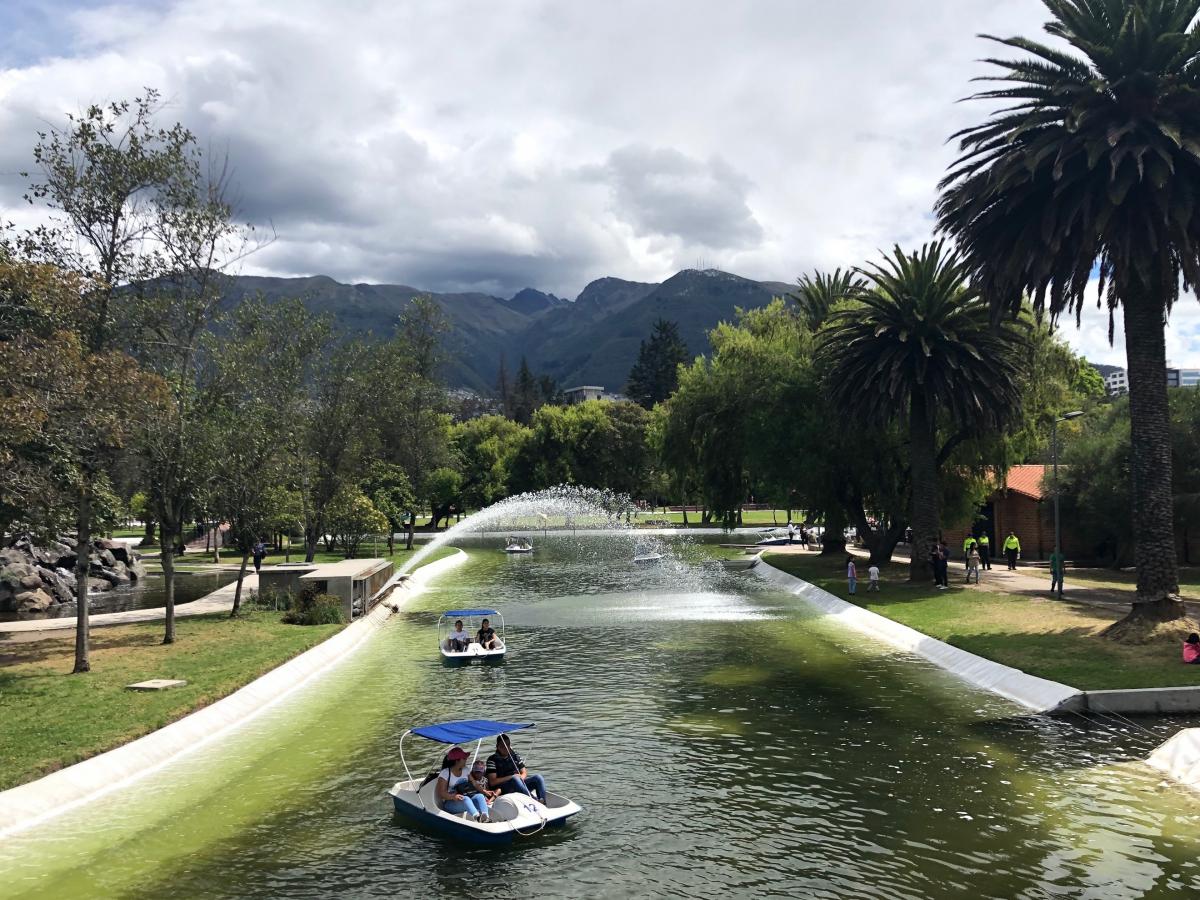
(531, 819)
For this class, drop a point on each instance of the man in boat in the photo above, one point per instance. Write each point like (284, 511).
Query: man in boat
(459, 640)
(506, 771)
(487, 636)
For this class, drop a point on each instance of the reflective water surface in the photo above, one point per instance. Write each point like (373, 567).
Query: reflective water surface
(148, 593)
(722, 740)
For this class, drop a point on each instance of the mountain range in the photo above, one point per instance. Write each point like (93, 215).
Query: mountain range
(592, 339)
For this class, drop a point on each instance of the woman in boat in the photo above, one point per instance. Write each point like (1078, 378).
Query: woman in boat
(506, 772)
(487, 636)
(454, 789)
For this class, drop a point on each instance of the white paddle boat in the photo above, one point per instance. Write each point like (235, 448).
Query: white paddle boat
(467, 648)
(512, 815)
(518, 545)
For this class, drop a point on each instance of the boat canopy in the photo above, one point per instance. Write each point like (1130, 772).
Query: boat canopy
(470, 612)
(468, 730)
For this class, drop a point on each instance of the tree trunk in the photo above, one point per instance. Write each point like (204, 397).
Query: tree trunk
(237, 592)
(925, 495)
(833, 538)
(1157, 598)
(83, 556)
(685, 521)
(167, 533)
(151, 526)
(391, 540)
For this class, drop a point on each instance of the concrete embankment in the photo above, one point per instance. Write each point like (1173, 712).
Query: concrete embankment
(28, 804)
(1038, 694)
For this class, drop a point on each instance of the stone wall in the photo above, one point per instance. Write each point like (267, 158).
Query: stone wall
(34, 576)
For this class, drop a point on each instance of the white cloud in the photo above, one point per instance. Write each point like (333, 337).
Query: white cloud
(483, 145)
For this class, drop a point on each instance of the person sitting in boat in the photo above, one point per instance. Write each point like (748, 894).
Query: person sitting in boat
(506, 772)
(454, 789)
(1191, 649)
(478, 776)
(487, 636)
(459, 640)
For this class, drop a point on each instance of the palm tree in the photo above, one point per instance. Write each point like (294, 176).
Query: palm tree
(816, 294)
(921, 346)
(1095, 162)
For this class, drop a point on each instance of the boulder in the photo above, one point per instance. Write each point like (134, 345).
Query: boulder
(32, 581)
(119, 549)
(34, 601)
(14, 573)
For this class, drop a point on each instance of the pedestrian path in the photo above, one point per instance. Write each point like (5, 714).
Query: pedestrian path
(220, 600)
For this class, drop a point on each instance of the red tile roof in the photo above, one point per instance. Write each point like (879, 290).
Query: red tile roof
(1026, 480)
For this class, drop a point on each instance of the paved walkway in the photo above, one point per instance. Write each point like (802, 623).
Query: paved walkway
(220, 600)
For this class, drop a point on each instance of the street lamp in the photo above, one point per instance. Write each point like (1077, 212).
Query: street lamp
(1074, 414)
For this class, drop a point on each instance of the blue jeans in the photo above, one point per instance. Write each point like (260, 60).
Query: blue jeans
(1056, 581)
(522, 786)
(475, 804)
(853, 585)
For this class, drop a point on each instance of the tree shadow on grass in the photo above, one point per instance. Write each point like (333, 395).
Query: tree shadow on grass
(64, 648)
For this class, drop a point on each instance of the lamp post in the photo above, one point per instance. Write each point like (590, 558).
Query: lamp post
(1075, 414)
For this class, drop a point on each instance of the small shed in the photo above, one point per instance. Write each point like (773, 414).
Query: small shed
(355, 581)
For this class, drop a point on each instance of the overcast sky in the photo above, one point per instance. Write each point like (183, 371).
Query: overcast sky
(493, 145)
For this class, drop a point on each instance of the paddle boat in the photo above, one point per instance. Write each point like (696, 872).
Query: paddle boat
(518, 545)
(646, 556)
(774, 537)
(452, 651)
(512, 815)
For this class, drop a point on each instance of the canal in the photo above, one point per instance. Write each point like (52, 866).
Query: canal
(723, 741)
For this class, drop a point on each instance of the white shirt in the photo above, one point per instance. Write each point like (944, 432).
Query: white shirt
(873, 573)
(462, 637)
(452, 780)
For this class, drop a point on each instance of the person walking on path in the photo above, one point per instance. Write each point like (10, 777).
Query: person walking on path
(873, 579)
(973, 561)
(791, 533)
(1012, 550)
(851, 574)
(1057, 563)
(259, 551)
(985, 550)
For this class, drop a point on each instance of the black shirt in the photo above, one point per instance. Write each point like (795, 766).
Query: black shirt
(486, 634)
(504, 766)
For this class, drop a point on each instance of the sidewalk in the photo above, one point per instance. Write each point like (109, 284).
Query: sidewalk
(220, 600)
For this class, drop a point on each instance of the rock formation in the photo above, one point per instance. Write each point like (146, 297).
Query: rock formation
(36, 576)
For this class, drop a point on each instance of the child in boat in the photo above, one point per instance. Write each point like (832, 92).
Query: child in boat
(1191, 648)
(478, 778)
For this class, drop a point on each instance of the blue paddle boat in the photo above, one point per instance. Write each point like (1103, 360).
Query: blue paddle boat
(467, 649)
(512, 815)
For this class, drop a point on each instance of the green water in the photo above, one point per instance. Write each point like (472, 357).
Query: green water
(722, 740)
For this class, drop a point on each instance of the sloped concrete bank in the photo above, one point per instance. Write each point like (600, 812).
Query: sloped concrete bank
(1179, 758)
(1038, 694)
(29, 804)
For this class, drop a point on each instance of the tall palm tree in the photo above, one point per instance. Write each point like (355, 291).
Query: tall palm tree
(922, 347)
(816, 294)
(1095, 162)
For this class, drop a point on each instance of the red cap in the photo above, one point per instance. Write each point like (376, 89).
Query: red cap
(456, 753)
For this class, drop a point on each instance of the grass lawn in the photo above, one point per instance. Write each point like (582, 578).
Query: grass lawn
(1189, 579)
(1059, 641)
(750, 518)
(53, 719)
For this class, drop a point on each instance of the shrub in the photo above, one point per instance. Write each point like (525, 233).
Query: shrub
(315, 609)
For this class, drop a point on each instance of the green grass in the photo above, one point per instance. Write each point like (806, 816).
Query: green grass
(1113, 579)
(53, 719)
(199, 562)
(750, 518)
(1054, 640)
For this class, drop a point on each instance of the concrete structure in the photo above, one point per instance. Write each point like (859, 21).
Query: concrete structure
(582, 392)
(1118, 382)
(1179, 758)
(355, 581)
(1136, 701)
(1037, 694)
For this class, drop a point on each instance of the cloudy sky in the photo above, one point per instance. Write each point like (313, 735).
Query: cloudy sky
(455, 144)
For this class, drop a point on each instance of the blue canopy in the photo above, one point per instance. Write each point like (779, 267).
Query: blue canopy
(470, 612)
(467, 730)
